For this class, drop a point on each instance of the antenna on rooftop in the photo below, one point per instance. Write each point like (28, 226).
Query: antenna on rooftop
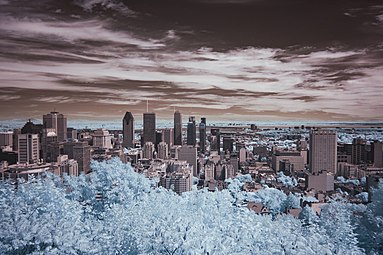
(147, 105)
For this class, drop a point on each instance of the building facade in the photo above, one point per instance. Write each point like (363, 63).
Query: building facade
(323, 151)
(128, 130)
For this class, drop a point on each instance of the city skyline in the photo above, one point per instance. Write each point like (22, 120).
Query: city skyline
(239, 60)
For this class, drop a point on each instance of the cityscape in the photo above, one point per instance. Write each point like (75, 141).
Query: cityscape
(191, 127)
(312, 166)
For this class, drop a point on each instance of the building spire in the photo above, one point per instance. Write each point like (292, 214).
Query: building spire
(147, 105)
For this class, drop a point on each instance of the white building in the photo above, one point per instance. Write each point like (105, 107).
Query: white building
(148, 150)
(29, 149)
(163, 150)
(102, 139)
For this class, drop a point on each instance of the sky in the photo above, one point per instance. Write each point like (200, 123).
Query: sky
(222, 59)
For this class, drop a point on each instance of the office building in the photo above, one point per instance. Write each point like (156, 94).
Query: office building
(149, 128)
(295, 158)
(128, 130)
(377, 154)
(191, 132)
(168, 136)
(28, 145)
(148, 150)
(163, 150)
(358, 151)
(82, 154)
(57, 121)
(202, 135)
(323, 151)
(188, 153)
(228, 144)
(71, 133)
(15, 138)
(215, 139)
(49, 136)
(177, 128)
(6, 139)
(102, 139)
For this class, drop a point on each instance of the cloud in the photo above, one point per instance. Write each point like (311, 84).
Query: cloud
(85, 30)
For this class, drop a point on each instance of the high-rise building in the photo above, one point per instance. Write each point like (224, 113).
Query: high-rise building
(128, 130)
(6, 139)
(191, 131)
(180, 180)
(148, 150)
(82, 154)
(168, 136)
(177, 128)
(163, 150)
(189, 154)
(242, 155)
(323, 151)
(215, 139)
(202, 135)
(49, 136)
(377, 154)
(102, 139)
(57, 121)
(228, 144)
(28, 145)
(71, 133)
(358, 151)
(15, 138)
(149, 128)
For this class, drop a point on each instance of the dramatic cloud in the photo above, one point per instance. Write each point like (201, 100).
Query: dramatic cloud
(102, 61)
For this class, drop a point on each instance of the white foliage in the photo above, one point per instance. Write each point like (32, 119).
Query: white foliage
(55, 216)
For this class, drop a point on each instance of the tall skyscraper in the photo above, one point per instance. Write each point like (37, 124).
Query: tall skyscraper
(377, 154)
(215, 139)
(167, 136)
(202, 135)
(177, 128)
(128, 130)
(323, 151)
(28, 145)
(57, 121)
(191, 131)
(149, 127)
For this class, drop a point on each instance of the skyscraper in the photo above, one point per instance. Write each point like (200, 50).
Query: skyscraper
(189, 154)
(167, 136)
(148, 150)
(149, 127)
(191, 131)
(28, 145)
(215, 139)
(163, 150)
(82, 153)
(377, 155)
(57, 121)
(202, 135)
(177, 128)
(323, 151)
(128, 130)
